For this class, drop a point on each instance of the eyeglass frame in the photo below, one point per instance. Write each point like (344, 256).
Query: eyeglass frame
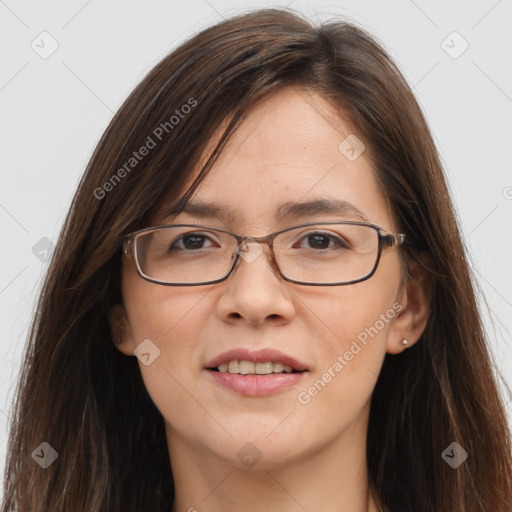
(384, 241)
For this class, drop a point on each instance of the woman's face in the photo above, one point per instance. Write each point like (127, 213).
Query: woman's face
(287, 150)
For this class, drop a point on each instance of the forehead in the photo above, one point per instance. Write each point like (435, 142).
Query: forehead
(287, 151)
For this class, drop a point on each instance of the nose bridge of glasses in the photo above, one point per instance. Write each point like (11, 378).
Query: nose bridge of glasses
(251, 248)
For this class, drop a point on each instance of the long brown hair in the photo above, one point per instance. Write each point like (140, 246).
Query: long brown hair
(87, 400)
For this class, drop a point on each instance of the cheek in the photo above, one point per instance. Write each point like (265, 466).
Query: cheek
(161, 312)
(173, 322)
(340, 388)
(357, 313)
(171, 319)
(354, 321)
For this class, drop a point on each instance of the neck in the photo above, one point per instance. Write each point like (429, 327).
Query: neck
(332, 478)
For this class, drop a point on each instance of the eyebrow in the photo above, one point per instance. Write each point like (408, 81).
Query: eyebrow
(288, 210)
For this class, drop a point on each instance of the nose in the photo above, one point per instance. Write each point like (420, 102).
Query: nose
(255, 290)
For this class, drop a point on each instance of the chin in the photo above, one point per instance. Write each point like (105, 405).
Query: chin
(256, 450)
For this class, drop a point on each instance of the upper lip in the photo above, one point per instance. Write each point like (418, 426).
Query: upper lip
(256, 356)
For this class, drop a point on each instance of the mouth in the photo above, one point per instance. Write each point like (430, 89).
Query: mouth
(244, 367)
(255, 373)
(255, 362)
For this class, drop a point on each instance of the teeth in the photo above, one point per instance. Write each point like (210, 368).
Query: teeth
(277, 367)
(263, 368)
(248, 367)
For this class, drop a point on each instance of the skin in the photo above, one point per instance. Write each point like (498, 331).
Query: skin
(313, 456)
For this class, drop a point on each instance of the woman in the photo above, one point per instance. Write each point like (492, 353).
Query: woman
(260, 299)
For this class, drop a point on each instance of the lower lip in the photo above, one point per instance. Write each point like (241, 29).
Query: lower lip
(256, 385)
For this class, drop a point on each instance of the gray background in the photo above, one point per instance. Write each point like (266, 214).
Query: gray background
(53, 111)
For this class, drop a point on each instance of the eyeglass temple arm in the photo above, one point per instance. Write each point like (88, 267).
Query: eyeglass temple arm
(393, 239)
(126, 244)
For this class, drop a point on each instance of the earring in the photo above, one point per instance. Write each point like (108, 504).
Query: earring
(404, 342)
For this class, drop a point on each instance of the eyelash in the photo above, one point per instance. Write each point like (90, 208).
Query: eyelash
(339, 241)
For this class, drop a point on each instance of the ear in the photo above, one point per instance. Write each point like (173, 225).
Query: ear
(121, 331)
(412, 318)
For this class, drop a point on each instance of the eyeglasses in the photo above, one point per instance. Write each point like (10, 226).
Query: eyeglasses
(315, 254)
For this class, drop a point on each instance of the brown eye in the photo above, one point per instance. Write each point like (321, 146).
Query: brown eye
(190, 242)
(324, 241)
